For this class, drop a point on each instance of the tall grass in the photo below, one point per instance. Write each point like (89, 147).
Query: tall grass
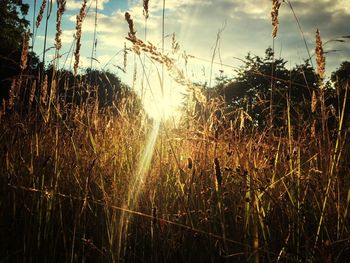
(76, 185)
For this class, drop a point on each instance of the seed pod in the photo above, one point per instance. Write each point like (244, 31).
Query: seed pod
(189, 163)
(218, 171)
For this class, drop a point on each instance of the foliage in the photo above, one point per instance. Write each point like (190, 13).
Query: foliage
(251, 90)
(88, 87)
(13, 26)
(341, 81)
(342, 75)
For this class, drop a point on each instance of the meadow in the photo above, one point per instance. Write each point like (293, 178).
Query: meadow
(86, 182)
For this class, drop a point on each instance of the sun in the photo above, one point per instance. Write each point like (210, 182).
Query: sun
(163, 102)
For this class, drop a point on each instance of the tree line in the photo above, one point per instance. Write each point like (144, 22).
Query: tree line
(267, 92)
(92, 83)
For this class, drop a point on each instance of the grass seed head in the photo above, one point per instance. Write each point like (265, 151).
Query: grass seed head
(132, 31)
(24, 54)
(274, 17)
(189, 163)
(78, 28)
(217, 171)
(125, 60)
(12, 94)
(61, 6)
(39, 18)
(44, 91)
(313, 102)
(320, 58)
(145, 8)
(53, 90)
(32, 93)
(241, 124)
(313, 130)
(174, 44)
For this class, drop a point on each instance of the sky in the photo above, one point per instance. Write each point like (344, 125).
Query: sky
(244, 26)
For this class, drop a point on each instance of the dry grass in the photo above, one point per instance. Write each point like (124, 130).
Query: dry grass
(24, 54)
(274, 17)
(78, 27)
(41, 13)
(61, 6)
(217, 189)
(320, 58)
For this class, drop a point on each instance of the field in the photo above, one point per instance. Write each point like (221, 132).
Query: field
(88, 178)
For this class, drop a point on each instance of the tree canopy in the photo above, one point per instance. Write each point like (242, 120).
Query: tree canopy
(264, 86)
(13, 24)
(13, 27)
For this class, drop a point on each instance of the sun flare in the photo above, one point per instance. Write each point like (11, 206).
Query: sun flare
(162, 103)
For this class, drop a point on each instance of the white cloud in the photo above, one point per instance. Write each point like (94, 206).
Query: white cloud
(110, 24)
(67, 36)
(196, 23)
(73, 4)
(254, 8)
(76, 4)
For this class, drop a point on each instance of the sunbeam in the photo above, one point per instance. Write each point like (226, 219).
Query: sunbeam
(137, 181)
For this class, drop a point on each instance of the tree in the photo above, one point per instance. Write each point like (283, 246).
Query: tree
(251, 90)
(13, 26)
(341, 82)
(92, 86)
(342, 75)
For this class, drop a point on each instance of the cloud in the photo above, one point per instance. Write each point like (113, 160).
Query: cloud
(73, 4)
(76, 4)
(67, 36)
(247, 28)
(110, 24)
(328, 16)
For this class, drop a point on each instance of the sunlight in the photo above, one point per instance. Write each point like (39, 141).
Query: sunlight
(143, 166)
(138, 179)
(162, 105)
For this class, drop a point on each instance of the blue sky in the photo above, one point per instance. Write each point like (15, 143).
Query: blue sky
(246, 28)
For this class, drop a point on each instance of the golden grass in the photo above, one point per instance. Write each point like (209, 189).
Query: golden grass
(274, 16)
(78, 28)
(41, 13)
(216, 188)
(320, 58)
(61, 6)
(24, 54)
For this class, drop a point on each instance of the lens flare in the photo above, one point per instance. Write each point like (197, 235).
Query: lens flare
(162, 102)
(138, 180)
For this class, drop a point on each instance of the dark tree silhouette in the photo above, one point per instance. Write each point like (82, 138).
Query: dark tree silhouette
(250, 90)
(341, 81)
(89, 87)
(13, 25)
(342, 75)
